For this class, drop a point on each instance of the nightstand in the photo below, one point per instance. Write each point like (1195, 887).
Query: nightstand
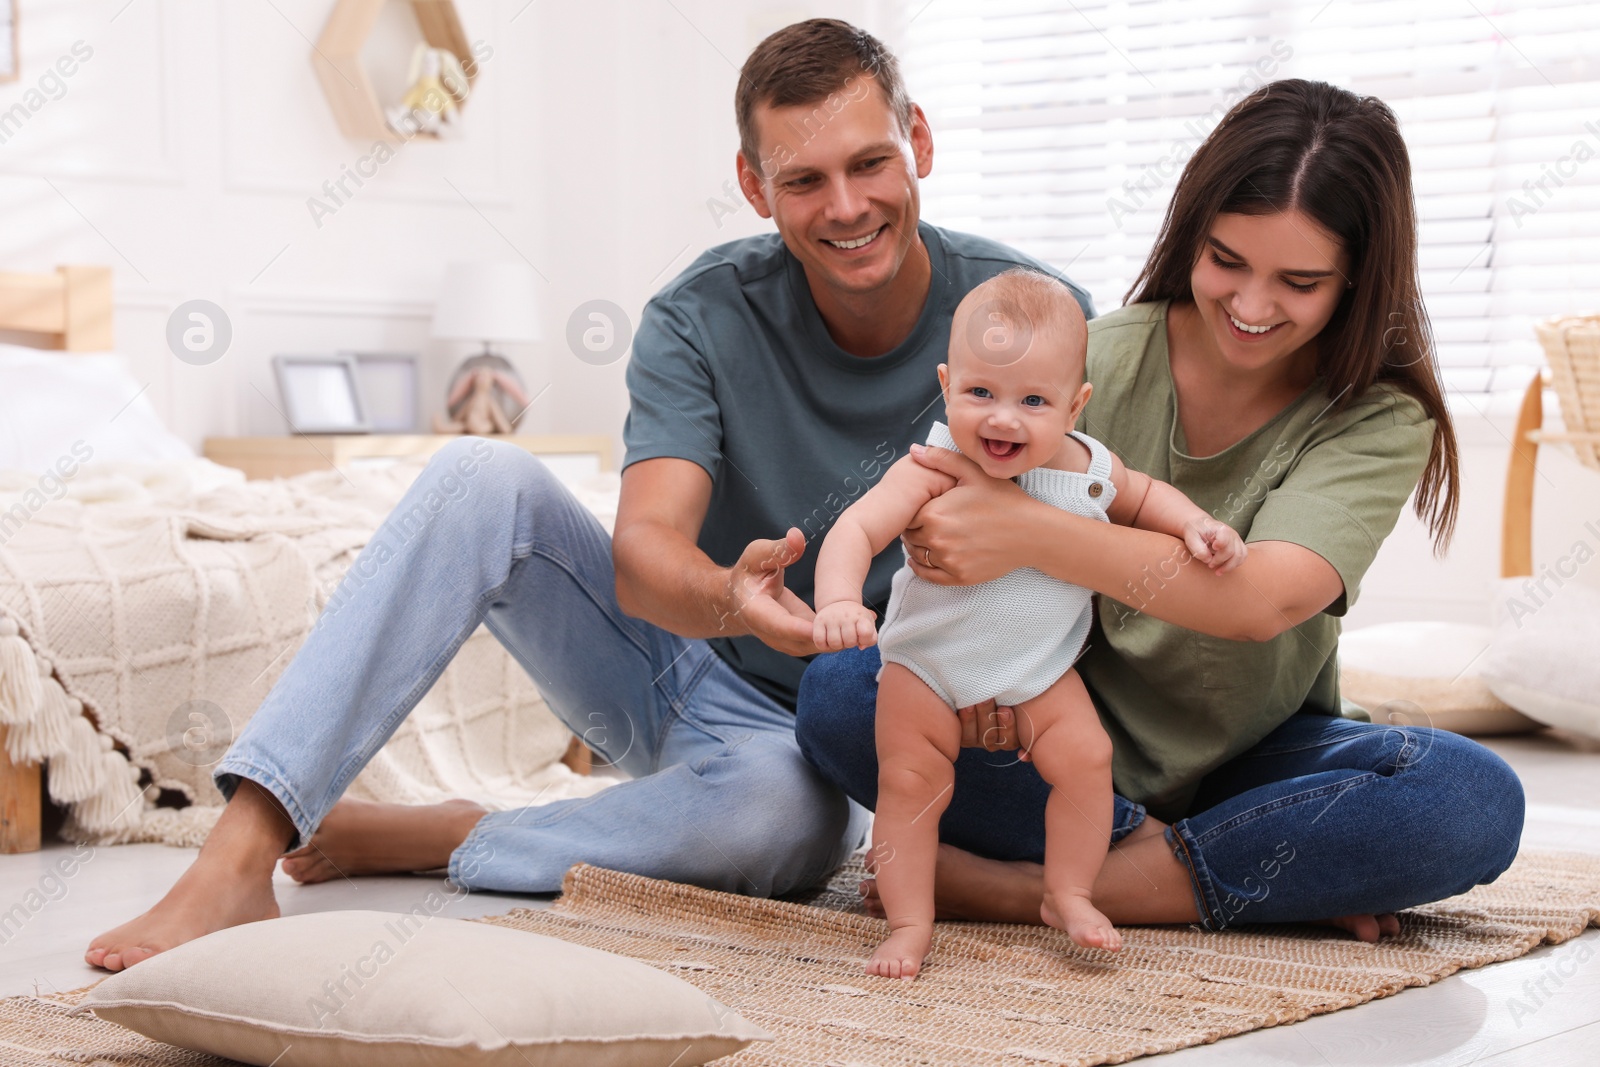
(569, 456)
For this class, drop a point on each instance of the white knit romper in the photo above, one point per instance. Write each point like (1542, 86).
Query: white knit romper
(1011, 638)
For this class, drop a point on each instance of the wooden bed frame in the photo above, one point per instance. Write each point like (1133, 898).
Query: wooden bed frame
(71, 310)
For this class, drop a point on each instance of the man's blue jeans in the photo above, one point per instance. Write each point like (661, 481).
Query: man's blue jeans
(1324, 817)
(720, 795)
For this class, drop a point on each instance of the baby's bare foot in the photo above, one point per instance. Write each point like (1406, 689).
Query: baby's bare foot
(901, 955)
(1080, 919)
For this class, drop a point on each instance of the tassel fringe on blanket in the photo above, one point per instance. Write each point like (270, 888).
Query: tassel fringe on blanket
(46, 725)
(152, 591)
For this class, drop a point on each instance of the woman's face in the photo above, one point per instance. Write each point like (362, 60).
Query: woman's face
(1264, 285)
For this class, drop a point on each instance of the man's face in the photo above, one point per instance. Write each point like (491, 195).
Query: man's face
(839, 178)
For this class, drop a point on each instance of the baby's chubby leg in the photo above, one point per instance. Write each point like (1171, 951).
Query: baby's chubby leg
(1072, 752)
(918, 737)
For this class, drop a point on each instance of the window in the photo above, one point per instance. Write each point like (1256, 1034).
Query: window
(1060, 127)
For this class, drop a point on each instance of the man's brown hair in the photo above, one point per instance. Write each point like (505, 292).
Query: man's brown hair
(806, 63)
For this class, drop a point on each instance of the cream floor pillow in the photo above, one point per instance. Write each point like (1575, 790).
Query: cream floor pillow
(1545, 660)
(359, 988)
(1425, 674)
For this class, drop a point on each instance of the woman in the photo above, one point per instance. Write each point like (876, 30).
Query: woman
(1275, 363)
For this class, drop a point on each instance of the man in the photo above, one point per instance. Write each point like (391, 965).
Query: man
(771, 383)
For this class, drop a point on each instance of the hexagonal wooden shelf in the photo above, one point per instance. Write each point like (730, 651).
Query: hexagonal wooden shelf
(337, 59)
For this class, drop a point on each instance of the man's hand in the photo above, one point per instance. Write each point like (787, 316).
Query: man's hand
(845, 624)
(954, 538)
(759, 605)
(991, 728)
(1214, 543)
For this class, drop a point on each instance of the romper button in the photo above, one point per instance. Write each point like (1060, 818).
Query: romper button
(1095, 488)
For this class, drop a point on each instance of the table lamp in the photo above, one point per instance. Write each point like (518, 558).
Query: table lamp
(486, 302)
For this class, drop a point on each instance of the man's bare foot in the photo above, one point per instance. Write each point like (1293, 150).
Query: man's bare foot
(230, 883)
(202, 901)
(1076, 915)
(902, 953)
(364, 837)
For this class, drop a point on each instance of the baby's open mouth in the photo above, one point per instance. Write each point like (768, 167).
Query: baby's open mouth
(1001, 449)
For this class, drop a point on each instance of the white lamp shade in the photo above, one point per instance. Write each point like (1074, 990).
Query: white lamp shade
(487, 302)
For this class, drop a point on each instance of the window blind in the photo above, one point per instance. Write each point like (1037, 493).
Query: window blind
(1060, 127)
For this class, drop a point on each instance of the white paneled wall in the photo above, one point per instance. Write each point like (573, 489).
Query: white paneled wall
(1407, 582)
(187, 148)
(192, 150)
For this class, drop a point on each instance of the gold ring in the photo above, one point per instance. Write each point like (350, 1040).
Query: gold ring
(927, 556)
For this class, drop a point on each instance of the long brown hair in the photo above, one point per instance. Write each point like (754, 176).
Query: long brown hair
(1339, 159)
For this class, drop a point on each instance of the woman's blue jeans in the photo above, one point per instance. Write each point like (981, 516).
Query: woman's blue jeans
(720, 795)
(1324, 817)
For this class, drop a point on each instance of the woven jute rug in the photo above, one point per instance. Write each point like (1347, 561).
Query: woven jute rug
(991, 994)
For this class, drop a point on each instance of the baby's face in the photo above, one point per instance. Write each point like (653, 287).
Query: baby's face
(1012, 416)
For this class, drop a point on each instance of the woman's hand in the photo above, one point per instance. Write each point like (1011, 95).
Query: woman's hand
(991, 728)
(960, 537)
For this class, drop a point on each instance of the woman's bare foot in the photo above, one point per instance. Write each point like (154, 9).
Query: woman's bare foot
(968, 887)
(902, 953)
(1365, 927)
(1075, 914)
(1141, 883)
(230, 883)
(364, 837)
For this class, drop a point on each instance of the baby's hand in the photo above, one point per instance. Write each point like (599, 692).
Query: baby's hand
(1214, 543)
(845, 625)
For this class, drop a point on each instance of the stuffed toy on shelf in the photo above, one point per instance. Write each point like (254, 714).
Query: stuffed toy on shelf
(439, 87)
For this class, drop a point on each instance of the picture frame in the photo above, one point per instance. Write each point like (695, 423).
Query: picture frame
(321, 393)
(390, 390)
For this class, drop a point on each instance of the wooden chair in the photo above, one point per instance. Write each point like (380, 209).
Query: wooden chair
(1572, 345)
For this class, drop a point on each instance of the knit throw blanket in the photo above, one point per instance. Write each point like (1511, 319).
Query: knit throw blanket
(145, 614)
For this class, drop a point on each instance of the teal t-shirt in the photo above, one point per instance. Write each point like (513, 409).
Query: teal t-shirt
(733, 369)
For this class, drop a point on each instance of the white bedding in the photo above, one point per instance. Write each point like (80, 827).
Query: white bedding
(143, 579)
(51, 402)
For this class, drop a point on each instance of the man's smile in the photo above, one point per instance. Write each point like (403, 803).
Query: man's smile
(857, 242)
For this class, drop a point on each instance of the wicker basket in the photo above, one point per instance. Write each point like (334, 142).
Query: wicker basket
(1572, 345)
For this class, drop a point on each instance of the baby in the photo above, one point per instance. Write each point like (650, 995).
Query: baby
(1013, 389)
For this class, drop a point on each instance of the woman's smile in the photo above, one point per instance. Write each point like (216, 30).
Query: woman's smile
(1247, 333)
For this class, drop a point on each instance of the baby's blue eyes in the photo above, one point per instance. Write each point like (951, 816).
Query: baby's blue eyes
(1032, 400)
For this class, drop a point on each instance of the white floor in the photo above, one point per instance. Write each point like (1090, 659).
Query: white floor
(1490, 1016)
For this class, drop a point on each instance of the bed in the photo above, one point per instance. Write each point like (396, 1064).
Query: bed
(149, 599)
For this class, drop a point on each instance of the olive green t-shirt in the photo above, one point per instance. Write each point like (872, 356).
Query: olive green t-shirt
(1178, 703)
